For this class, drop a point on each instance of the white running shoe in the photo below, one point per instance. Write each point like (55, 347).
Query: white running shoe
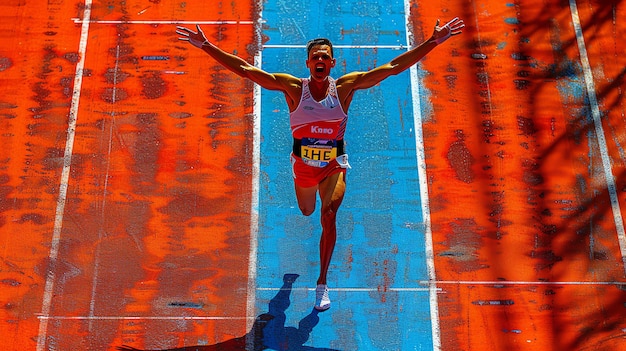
(322, 301)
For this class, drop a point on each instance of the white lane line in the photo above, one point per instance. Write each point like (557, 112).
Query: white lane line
(425, 283)
(254, 200)
(300, 46)
(531, 283)
(170, 22)
(133, 318)
(382, 290)
(423, 183)
(67, 161)
(251, 317)
(597, 121)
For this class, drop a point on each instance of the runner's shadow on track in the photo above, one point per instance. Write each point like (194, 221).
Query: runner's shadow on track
(268, 331)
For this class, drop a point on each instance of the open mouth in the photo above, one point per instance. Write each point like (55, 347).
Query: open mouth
(319, 69)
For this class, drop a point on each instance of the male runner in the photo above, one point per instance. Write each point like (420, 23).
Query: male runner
(318, 108)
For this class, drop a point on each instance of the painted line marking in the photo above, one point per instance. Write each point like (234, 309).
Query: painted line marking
(416, 289)
(79, 21)
(254, 196)
(353, 289)
(420, 155)
(64, 183)
(300, 46)
(512, 283)
(597, 121)
(133, 318)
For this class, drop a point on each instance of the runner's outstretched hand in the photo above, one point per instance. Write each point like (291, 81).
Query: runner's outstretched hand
(449, 29)
(196, 39)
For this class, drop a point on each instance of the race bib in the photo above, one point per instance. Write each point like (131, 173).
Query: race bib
(318, 152)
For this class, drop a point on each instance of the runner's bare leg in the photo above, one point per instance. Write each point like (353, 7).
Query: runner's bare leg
(332, 190)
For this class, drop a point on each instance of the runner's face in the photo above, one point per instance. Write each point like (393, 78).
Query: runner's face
(320, 62)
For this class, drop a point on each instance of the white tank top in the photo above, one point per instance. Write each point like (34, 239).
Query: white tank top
(318, 119)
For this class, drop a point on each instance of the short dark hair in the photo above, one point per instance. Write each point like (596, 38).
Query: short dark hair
(319, 41)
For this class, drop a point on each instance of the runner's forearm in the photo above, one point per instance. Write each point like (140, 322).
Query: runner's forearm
(411, 57)
(232, 62)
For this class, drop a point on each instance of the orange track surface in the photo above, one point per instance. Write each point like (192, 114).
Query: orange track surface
(158, 202)
(516, 186)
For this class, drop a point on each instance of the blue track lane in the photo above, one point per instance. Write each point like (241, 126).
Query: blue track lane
(380, 233)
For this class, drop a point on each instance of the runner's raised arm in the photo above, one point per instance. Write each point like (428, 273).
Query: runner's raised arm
(365, 80)
(239, 66)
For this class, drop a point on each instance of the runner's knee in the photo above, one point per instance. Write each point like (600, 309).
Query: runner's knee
(307, 211)
(329, 211)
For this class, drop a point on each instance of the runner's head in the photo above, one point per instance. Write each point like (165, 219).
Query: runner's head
(319, 41)
(320, 58)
